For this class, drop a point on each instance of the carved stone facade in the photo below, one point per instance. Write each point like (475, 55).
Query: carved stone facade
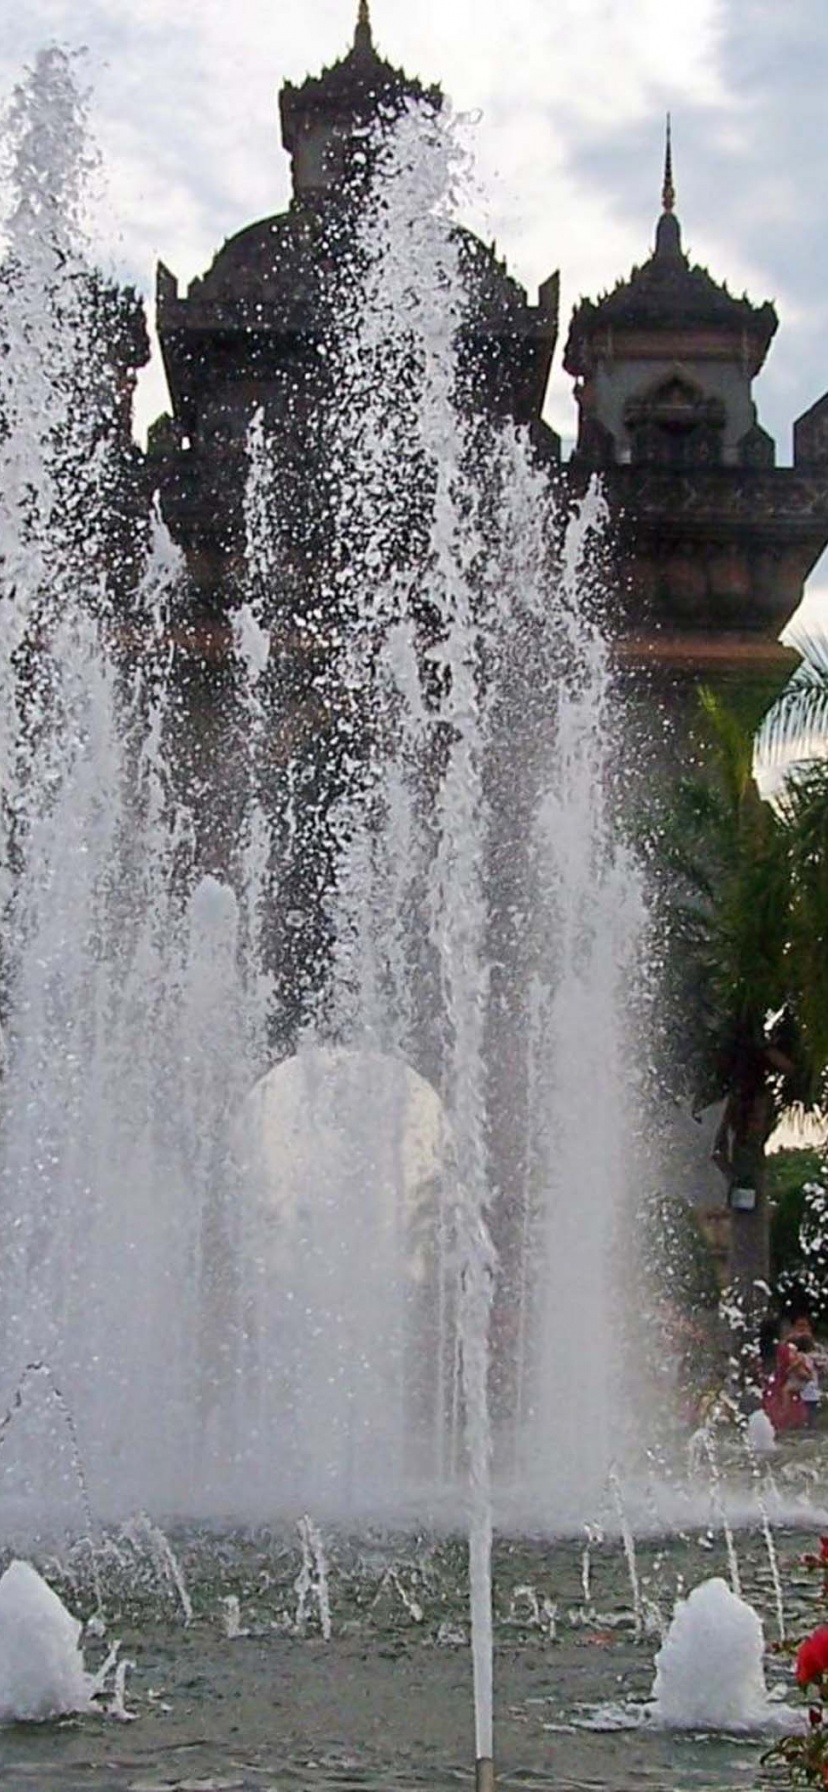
(252, 333)
(712, 542)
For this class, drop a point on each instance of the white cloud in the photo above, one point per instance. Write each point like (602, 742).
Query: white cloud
(184, 108)
(572, 98)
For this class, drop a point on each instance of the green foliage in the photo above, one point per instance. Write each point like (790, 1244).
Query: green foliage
(799, 1232)
(793, 734)
(787, 1174)
(745, 889)
(803, 821)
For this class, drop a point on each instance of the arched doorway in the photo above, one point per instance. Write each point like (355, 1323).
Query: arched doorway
(345, 1160)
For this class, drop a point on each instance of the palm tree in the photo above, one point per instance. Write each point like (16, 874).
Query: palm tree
(791, 765)
(748, 904)
(792, 737)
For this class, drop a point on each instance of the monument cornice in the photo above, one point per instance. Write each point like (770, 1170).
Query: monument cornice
(679, 344)
(764, 500)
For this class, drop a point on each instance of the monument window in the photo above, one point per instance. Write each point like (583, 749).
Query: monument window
(674, 424)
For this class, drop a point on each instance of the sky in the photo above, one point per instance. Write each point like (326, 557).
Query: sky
(568, 99)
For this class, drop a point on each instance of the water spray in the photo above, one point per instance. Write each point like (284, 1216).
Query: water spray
(43, 1370)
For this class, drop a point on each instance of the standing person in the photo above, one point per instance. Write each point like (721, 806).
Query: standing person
(802, 1337)
(782, 1397)
(767, 1342)
(809, 1392)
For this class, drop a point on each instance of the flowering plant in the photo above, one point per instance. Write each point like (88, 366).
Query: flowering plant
(806, 1755)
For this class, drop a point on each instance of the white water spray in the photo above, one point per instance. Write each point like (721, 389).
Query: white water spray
(226, 1347)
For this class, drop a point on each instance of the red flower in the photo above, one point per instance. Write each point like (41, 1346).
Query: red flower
(823, 1549)
(812, 1656)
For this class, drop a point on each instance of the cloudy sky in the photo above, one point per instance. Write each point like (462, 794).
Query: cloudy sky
(569, 97)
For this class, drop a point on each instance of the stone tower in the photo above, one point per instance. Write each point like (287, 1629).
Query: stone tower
(253, 335)
(252, 332)
(713, 542)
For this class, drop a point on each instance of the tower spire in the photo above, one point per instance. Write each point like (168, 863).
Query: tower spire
(362, 35)
(668, 230)
(668, 191)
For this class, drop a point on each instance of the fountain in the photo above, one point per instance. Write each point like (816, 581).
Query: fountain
(342, 1279)
(42, 1673)
(710, 1672)
(760, 1433)
(480, 916)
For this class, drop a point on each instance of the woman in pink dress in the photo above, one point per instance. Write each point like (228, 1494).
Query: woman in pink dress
(782, 1395)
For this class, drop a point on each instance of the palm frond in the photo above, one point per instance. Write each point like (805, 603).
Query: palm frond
(732, 744)
(810, 641)
(794, 731)
(745, 895)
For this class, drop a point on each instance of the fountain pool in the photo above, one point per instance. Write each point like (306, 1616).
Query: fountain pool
(384, 1703)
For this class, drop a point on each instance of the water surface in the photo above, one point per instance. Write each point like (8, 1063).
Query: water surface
(385, 1703)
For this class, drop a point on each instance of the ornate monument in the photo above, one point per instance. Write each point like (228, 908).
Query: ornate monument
(251, 332)
(713, 542)
(250, 336)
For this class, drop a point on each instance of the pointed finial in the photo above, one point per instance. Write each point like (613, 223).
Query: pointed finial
(668, 230)
(362, 35)
(668, 191)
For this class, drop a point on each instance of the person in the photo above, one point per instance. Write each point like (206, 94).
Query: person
(809, 1391)
(767, 1342)
(782, 1394)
